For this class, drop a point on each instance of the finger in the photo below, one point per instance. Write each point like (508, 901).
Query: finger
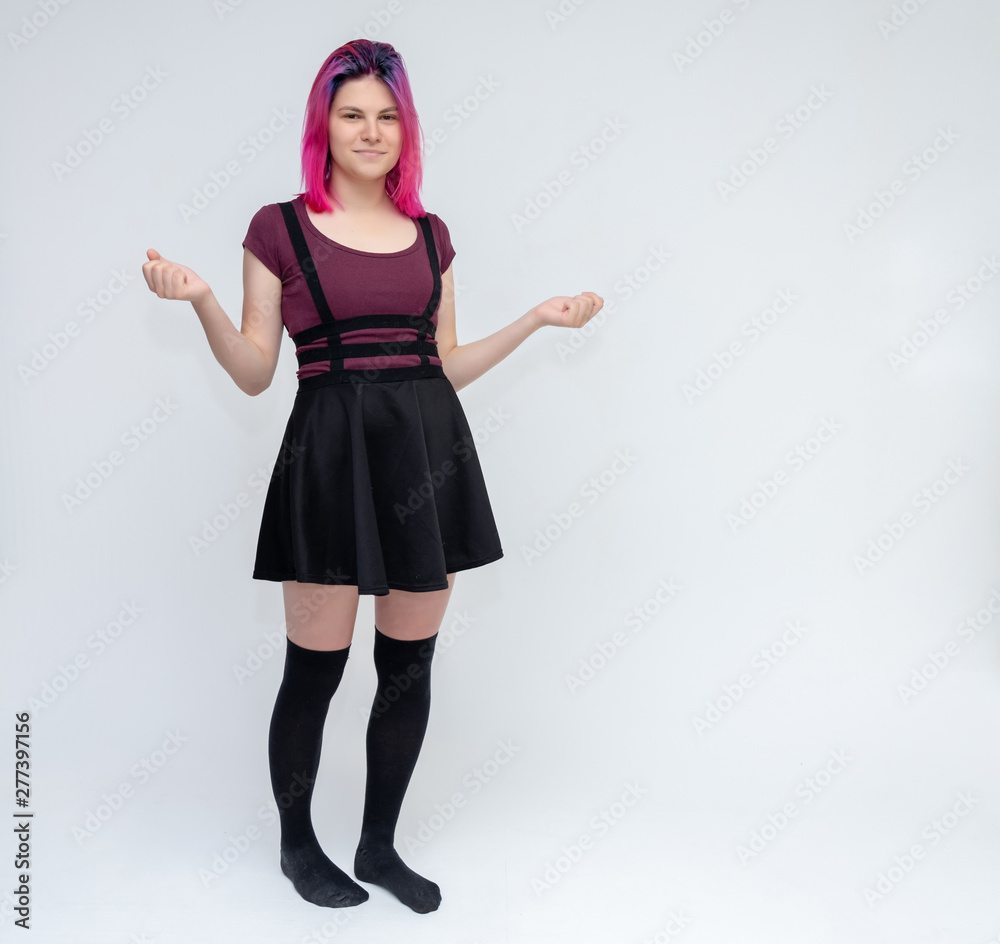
(154, 279)
(163, 281)
(178, 280)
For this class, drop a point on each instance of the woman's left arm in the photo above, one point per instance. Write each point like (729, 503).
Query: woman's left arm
(463, 363)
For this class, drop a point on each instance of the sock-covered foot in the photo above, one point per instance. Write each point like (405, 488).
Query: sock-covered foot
(318, 880)
(383, 866)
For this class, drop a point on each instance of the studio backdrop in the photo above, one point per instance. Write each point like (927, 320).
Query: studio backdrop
(737, 675)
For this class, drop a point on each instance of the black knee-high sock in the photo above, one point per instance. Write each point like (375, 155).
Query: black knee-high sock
(395, 734)
(294, 741)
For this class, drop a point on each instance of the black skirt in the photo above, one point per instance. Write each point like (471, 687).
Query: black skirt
(378, 486)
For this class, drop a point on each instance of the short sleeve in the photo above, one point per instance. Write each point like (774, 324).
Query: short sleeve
(260, 238)
(445, 250)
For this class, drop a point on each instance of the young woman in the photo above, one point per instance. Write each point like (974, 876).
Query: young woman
(377, 488)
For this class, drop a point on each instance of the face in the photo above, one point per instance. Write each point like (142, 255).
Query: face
(364, 117)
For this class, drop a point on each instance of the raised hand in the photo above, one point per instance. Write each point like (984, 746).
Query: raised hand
(565, 312)
(173, 280)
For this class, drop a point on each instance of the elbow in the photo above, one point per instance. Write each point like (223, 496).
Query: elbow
(453, 379)
(255, 389)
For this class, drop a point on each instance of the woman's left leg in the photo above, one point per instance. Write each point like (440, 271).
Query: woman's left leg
(406, 626)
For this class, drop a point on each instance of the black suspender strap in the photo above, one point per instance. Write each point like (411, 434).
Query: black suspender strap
(422, 335)
(305, 260)
(308, 267)
(331, 329)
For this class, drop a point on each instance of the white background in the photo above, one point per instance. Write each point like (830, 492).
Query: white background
(684, 93)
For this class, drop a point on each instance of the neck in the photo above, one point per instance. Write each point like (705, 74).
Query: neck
(360, 196)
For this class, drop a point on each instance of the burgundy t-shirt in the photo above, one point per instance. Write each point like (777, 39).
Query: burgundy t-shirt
(354, 282)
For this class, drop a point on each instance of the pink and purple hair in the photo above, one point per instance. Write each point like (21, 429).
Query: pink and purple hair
(353, 60)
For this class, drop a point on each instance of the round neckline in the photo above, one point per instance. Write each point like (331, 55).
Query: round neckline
(361, 252)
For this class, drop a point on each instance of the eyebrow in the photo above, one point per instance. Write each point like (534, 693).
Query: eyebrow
(355, 108)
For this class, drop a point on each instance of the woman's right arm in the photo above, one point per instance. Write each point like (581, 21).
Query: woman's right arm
(249, 355)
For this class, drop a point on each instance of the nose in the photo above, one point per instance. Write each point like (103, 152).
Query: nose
(371, 130)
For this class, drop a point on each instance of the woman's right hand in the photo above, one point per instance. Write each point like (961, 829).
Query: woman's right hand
(172, 280)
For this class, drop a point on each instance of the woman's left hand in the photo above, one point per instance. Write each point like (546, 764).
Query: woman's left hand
(565, 312)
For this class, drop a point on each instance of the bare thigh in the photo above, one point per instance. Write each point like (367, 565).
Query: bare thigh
(318, 615)
(403, 614)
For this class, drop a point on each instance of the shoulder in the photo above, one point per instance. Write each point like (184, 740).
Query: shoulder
(442, 237)
(437, 224)
(266, 238)
(268, 214)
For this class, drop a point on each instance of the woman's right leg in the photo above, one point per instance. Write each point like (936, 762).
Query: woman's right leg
(320, 615)
(319, 621)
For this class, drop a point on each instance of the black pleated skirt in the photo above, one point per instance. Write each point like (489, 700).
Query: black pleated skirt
(378, 486)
